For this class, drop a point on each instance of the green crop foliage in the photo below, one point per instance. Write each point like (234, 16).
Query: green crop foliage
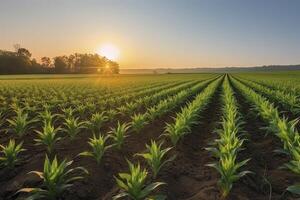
(156, 157)
(96, 122)
(138, 121)
(47, 117)
(134, 186)
(111, 113)
(118, 134)
(10, 154)
(229, 143)
(228, 168)
(20, 123)
(283, 128)
(56, 178)
(72, 126)
(189, 114)
(98, 146)
(48, 137)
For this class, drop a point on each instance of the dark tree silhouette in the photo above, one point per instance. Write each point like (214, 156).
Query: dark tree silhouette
(20, 62)
(61, 64)
(46, 62)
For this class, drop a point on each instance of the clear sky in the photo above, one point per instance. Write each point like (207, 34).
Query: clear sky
(158, 33)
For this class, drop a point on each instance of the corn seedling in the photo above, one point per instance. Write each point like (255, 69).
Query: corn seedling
(96, 122)
(284, 129)
(73, 126)
(122, 110)
(56, 177)
(81, 110)
(99, 146)
(68, 112)
(48, 137)
(20, 123)
(118, 134)
(133, 184)
(47, 117)
(111, 114)
(138, 121)
(130, 107)
(228, 144)
(156, 157)
(9, 157)
(229, 171)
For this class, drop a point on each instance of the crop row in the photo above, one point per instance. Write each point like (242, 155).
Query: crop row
(282, 128)
(288, 101)
(229, 143)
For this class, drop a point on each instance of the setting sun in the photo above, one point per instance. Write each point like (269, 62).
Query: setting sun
(109, 51)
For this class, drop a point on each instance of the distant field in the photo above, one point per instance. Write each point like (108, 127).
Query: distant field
(220, 127)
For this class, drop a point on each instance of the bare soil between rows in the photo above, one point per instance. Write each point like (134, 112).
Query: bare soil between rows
(268, 181)
(100, 183)
(186, 178)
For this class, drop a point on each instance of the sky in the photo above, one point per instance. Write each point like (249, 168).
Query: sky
(158, 33)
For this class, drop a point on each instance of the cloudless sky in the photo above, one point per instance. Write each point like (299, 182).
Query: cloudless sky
(158, 33)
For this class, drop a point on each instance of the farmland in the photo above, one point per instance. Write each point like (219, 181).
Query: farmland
(172, 136)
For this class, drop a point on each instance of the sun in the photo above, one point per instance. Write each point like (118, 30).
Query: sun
(110, 51)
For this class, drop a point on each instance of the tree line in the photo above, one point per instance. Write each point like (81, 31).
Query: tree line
(20, 62)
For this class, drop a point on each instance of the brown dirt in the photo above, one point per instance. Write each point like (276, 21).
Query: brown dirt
(100, 180)
(267, 180)
(187, 177)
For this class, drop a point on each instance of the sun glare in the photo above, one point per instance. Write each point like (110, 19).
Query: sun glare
(109, 51)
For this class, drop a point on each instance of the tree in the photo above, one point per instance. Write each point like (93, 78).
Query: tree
(19, 61)
(114, 67)
(22, 51)
(46, 62)
(71, 62)
(61, 64)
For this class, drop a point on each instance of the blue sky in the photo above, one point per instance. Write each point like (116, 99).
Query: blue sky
(158, 33)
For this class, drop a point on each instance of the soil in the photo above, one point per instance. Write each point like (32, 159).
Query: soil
(267, 180)
(100, 181)
(186, 178)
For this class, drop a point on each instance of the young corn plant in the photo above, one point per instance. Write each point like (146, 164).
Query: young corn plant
(90, 106)
(152, 113)
(68, 112)
(177, 130)
(111, 113)
(10, 154)
(156, 157)
(96, 122)
(99, 146)
(131, 107)
(229, 170)
(118, 134)
(81, 110)
(48, 137)
(284, 129)
(134, 186)
(56, 177)
(14, 106)
(122, 110)
(138, 122)
(20, 123)
(47, 117)
(228, 144)
(73, 126)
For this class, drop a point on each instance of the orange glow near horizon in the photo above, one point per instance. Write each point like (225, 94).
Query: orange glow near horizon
(110, 51)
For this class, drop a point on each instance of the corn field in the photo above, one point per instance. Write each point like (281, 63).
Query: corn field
(173, 136)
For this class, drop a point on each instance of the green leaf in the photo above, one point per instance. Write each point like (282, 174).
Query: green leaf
(295, 189)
